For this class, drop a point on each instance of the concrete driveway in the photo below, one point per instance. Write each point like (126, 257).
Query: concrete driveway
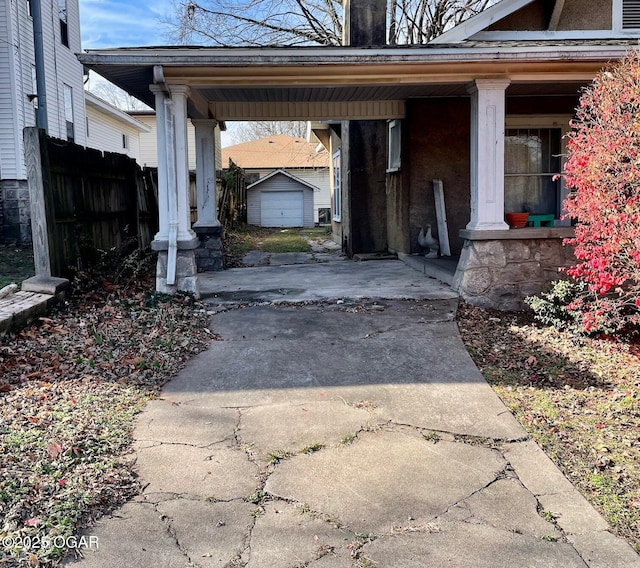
(345, 426)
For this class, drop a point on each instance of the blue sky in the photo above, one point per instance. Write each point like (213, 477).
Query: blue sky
(122, 23)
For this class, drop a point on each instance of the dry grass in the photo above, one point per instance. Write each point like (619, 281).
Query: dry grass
(70, 387)
(578, 396)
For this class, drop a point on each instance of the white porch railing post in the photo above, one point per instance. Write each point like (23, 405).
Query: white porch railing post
(487, 154)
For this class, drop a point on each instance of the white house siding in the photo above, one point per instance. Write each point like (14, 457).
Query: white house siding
(63, 68)
(149, 141)
(16, 111)
(278, 183)
(318, 177)
(105, 133)
(17, 63)
(16, 80)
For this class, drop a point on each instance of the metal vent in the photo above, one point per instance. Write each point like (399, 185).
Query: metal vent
(630, 14)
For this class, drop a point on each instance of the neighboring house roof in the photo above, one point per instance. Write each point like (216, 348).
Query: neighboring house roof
(280, 151)
(283, 173)
(114, 112)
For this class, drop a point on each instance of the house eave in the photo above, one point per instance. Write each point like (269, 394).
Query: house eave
(322, 67)
(331, 56)
(114, 112)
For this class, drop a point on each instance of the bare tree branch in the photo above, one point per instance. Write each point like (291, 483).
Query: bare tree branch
(308, 22)
(240, 132)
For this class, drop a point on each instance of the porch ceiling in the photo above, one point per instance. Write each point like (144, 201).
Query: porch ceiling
(311, 80)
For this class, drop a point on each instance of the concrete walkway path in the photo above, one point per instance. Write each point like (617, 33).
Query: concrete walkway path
(343, 433)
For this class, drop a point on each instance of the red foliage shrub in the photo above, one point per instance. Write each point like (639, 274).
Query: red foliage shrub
(603, 172)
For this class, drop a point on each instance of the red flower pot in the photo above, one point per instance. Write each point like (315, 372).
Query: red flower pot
(517, 220)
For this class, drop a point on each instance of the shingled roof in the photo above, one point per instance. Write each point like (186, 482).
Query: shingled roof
(276, 152)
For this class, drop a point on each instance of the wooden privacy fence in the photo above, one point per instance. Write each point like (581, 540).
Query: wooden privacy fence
(89, 200)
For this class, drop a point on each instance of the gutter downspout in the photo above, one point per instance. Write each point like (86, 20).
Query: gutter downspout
(172, 252)
(38, 46)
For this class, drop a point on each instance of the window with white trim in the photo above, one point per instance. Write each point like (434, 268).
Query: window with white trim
(125, 142)
(68, 112)
(533, 158)
(64, 26)
(393, 164)
(337, 185)
(34, 87)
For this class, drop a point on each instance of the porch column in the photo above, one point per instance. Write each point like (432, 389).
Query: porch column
(186, 236)
(487, 154)
(206, 173)
(175, 241)
(209, 255)
(161, 238)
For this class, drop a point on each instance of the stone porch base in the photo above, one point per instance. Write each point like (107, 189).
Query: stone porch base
(498, 269)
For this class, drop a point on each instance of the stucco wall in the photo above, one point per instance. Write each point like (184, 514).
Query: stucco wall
(534, 16)
(576, 15)
(439, 148)
(586, 15)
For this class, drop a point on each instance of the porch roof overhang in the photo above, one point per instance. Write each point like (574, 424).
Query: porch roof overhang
(334, 82)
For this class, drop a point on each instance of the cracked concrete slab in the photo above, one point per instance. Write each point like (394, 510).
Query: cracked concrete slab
(596, 550)
(326, 322)
(286, 536)
(153, 544)
(294, 426)
(480, 413)
(384, 478)
(219, 473)
(210, 534)
(284, 258)
(505, 505)
(464, 545)
(165, 421)
(320, 282)
(471, 499)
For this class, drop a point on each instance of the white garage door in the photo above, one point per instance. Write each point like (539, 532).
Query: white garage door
(282, 209)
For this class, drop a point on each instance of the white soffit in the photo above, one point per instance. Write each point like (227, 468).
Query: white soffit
(347, 110)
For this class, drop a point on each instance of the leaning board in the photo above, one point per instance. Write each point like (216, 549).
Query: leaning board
(441, 217)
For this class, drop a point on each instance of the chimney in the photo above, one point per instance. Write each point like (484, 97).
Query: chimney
(365, 23)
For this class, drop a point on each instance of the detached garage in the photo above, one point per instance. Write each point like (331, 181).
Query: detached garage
(280, 200)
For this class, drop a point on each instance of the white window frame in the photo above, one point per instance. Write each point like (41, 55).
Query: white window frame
(68, 111)
(64, 22)
(125, 141)
(34, 87)
(513, 121)
(336, 169)
(394, 146)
